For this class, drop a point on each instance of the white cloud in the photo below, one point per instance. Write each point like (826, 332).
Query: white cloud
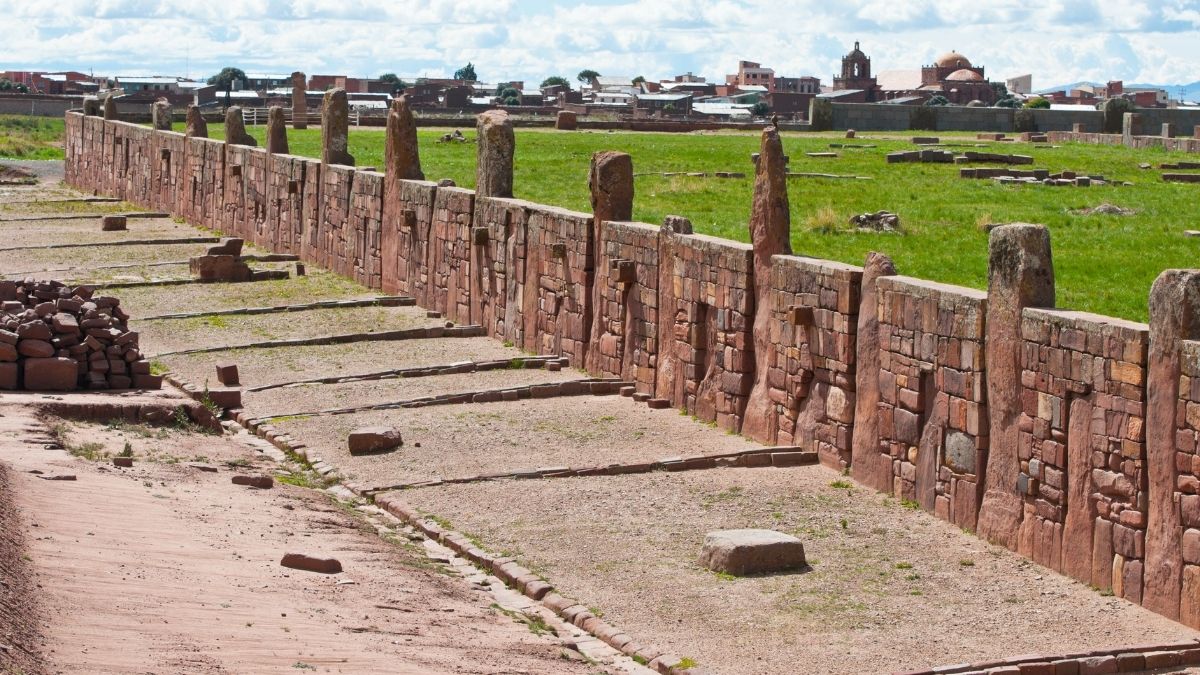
(1059, 41)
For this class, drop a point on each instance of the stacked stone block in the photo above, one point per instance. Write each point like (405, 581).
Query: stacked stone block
(1187, 487)
(407, 220)
(557, 295)
(1082, 446)
(814, 308)
(627, 310)
(932, 409)
(447, 284)
(498, 269)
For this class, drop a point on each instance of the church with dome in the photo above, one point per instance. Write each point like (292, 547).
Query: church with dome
(951, 75)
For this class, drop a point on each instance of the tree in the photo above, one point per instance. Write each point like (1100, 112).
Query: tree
(1008, 102)
(510, 92)
(467, 73)
(511, 100)
(938, 100)
(999, 90)
(398, 85)
(1037, 102)
(227, 76)
(555, 81)
(639, 79)
(587, 75)
(6, 85)
(760, 109)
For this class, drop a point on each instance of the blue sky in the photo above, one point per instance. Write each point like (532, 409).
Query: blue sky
(1058, 41)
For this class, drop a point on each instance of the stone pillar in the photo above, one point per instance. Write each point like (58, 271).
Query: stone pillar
(92, 106)
(160, 114)
(335, 128)
(1077, 128)
(1168, 130)
(196, 126)
(235, 128)
(299, 101)
(1174, 316)
(867, 464)
(1196, 132)
(402, 159)
(496, 147)
(770, 234)
(277, 142)
(1020, 275)
(668, 376)
(610, 180)
(566, 121)
(110, 107)
(1131, 126)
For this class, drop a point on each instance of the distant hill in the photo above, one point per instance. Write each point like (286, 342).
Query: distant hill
(1191, 91)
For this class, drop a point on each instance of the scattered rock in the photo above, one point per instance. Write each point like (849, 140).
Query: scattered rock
(308, 563)
(1106, 209)
(751, 551)
(368, 440)
(204, 467)
(260, 482)
(880, 221)
(57, 477)
(227, 374)
(123, 462)
(113, 224)
(850, 133)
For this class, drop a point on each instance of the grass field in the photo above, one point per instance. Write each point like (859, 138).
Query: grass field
(1104, 263)
(23, 137)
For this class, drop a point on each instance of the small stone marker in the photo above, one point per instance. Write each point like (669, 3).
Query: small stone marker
(850, 133)
(113, 224)
(260, 482)
(369, 440)
(751, 551)
(566, 121)
(227, 374)
(308, 563)
(123, 462)
(1191, 233)
(230, 246)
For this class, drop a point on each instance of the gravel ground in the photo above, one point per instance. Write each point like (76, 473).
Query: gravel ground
(217, 331)
(87, 258)
(45, 232)
(47, 170)
(258, 367)
(467, 440)
(890, 589)
(313, 287)
(20, 610)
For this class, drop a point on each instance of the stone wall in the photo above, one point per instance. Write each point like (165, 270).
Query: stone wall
(887, 117)
(1069, 440)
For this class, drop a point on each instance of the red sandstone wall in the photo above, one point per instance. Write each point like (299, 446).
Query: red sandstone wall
(678, 324)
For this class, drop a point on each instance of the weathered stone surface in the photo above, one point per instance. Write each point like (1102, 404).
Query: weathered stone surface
(770, 234)
(308, 563)
(35, 348)
(211, 268)
(1174, 316)
(402, 158)
(113, 223)
(299, 101)
(1020, 274)
(260, 482)
(610, 180)
(235, 128)
(369, 440)
(110, 107)
(277, 142)
(566, 121)
(868, 465)
(496, 148)
(335, 128)
(751, 551)
(92, 106)
(160, 114)
(1078, 546)
(196, 126)
(228, 246)
(227, 374)
(9, 375)
(51, 374)
(960, 452)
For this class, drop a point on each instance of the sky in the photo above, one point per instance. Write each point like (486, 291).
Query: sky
(1057, 41)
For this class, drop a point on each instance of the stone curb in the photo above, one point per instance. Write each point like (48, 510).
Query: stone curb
(81, 216)
(1134, 659)
(345, 338)
(267, 257)
(526, 362)
(783, 456)
(533, 586)
(381, 301)
(126, 242)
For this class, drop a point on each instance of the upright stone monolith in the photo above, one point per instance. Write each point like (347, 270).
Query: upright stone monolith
(92, 106)
(160, 114)
(110, 107)
(1020, 275)
(1174, 316)
(277, 142)
(335, 128)
(1131, 128)
(402, 159)
(610, 180)
(299, 101)
(196, 126)
(235, 128)
(770, 234)
(496, 148)
(867, 464)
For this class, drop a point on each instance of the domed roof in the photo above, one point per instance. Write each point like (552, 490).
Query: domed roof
(952, 59)
(964, 75)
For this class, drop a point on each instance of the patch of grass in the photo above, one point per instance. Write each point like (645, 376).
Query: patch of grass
(903, 566)
(841, 485)
(724, 576)
(91, 450)
(966, 562)
(640, 660)
(534, 622)
(25, 137)
(158, 368)
(300, 665)
(910, 504)
(686, 663)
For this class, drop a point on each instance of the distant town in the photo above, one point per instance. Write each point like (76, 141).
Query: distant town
(754, 91)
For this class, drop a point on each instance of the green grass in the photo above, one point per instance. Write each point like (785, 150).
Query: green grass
(23, 137)
(1104, 264)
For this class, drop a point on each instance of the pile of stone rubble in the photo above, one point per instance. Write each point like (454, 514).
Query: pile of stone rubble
(55, 337)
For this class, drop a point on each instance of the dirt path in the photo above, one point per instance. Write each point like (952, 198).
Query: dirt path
(166, 568)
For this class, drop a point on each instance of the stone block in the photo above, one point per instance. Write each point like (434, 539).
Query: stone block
(226, 397)
(227, 374)
(751, 551)
(375, 439)
(308, 563)
(8, 376)
(260, 482)
(51, 374)
(113, 224)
